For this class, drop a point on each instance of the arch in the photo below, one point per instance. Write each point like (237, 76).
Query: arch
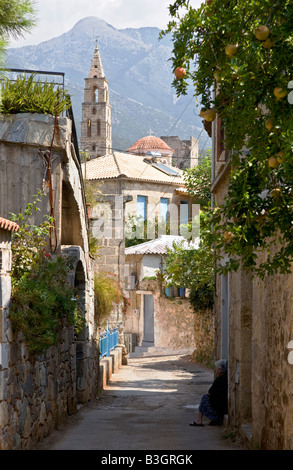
(71, 226)
(95, 94)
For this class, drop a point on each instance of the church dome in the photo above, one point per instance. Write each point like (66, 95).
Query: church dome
(150, 144)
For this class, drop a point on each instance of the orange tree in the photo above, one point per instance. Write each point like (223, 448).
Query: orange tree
(243, 50)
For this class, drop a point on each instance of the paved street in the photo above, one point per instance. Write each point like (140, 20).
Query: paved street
(148, 405)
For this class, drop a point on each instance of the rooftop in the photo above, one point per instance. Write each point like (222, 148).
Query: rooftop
(159, 245)
(134, 167)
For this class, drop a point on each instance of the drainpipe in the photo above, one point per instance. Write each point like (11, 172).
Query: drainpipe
(213, 157)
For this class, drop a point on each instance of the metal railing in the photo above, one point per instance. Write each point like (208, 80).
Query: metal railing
(109, 339)
(15, 72)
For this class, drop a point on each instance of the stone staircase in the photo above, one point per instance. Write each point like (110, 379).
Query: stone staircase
(151, 350)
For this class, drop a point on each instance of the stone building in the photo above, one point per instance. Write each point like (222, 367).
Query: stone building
(173, 151)
(185, 153)
(153, 319)
(144, 188)
(254, 331)
(96, 128)
(37, 392)
(134, 188)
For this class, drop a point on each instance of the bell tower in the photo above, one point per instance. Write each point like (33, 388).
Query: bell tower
(96, 128)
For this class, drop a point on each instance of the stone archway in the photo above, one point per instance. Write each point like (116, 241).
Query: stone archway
(86, 350)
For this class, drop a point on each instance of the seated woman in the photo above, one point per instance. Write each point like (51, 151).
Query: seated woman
(214, 405)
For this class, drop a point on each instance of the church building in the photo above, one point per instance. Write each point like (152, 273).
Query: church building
(96, 128)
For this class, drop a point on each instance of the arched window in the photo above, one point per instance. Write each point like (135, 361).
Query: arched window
(96, 94)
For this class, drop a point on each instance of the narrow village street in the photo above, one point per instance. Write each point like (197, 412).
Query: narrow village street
(146, 197)
(147, 405)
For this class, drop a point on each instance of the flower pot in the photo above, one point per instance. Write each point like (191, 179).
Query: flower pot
(181, 292)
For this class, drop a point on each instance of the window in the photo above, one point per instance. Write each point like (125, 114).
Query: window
(141, 207)
(95, 94)
(184, 215)
(220, 140)
(164, 203)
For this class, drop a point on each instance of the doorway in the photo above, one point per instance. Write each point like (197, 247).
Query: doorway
(80, 338)
(148, 309)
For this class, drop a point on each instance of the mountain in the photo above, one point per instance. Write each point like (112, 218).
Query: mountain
(137, 66)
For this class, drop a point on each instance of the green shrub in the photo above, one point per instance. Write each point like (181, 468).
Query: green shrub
(107, 293)
(42, 303)
(27, 95)
(202, 297)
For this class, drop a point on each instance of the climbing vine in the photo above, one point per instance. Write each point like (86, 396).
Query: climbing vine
(243, 51)
(42, 300)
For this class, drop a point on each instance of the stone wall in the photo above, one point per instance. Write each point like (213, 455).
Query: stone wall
(154, 192)
(107, 225)
(272, 372)
(259, 329)
(38, 392)
(130, 189)
(176, 325)
(260, 372)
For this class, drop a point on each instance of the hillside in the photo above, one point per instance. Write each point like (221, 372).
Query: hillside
(139, 73)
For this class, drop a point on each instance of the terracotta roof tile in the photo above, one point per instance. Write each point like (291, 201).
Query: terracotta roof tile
(8, 225)
(130, 166)
(151, 144)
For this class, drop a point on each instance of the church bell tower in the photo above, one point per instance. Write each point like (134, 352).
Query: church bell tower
(96, 128)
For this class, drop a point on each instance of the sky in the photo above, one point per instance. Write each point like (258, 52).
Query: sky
(55, 17)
